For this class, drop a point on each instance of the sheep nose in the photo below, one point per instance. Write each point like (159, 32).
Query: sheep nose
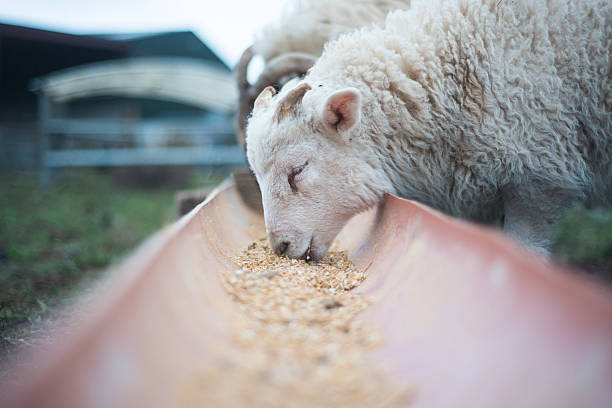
(282, 247)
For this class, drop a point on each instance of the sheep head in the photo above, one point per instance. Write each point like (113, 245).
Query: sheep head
(306, 148)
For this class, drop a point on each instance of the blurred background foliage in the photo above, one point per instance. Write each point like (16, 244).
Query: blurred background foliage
(52, 239)
(584, 239)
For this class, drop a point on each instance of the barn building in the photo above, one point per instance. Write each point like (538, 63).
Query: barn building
(113, 100)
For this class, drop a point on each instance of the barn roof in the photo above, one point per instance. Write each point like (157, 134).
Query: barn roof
(184, 80)
(27, 53)
(17, 32)
(183, 44)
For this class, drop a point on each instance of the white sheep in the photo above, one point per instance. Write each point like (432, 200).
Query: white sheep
(493, 111)
(292, 44)
(307, 25)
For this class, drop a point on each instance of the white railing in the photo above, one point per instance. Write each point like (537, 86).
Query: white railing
(103, 142)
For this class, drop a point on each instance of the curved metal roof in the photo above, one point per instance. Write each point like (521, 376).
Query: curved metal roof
(183, 80)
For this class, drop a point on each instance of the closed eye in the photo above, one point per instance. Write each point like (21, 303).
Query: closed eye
(294, 172)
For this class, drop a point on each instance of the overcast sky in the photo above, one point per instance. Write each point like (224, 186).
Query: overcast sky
(227, 26)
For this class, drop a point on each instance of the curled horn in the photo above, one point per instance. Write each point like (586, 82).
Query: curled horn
(289, 103)
(282, 67)
(245, 95)
(285, 65)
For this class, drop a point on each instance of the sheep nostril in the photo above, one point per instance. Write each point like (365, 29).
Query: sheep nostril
(282, 247)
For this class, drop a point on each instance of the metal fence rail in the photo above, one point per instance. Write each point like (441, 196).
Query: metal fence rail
(68, 142)
(157, 156)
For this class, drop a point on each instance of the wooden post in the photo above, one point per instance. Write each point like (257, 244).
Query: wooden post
(43, 137)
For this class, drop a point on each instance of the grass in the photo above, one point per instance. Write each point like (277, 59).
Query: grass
(584, 239)
(53, 238)
(584, 235)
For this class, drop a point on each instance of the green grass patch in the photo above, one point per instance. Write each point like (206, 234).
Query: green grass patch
(584, 235)
(51, 238)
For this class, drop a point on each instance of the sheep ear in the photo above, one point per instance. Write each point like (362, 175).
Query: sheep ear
(341, 110)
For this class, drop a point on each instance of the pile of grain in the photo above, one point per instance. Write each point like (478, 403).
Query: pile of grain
(297, 342)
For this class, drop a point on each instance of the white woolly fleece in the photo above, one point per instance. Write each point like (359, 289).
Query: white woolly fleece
(308, 24)
(498, 112)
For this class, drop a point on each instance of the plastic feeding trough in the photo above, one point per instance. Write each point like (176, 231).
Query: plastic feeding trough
(435, 313)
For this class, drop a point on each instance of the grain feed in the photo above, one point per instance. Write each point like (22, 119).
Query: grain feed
(297, 344)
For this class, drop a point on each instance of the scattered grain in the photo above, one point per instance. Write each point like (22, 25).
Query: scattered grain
(298, 344)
